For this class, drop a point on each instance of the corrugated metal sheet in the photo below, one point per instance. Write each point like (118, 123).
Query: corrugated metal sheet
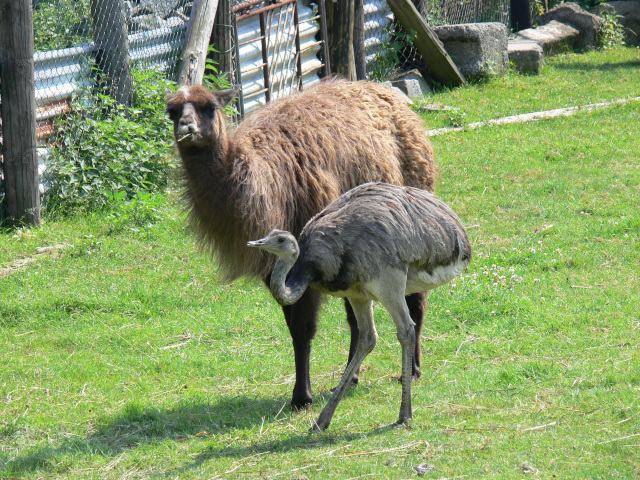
(58, 74)
(281, 54)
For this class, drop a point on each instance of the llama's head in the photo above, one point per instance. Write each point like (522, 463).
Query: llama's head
(194, 111)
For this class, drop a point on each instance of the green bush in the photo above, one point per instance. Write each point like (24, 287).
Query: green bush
(106, 152)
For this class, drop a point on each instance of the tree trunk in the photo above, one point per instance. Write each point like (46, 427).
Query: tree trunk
(112, 49)
(192, 63)
(359, 54)
(221, 40)
(22, 197)
(340, 26)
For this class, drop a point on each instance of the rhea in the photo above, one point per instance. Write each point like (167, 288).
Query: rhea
(377, 242)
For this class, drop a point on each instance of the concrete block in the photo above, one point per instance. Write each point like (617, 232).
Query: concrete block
(527, 56)
(477, 49)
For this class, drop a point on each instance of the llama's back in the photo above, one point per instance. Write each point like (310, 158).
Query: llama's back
(296, 155)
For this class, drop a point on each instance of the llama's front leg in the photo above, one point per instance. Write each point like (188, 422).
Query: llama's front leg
(302, 319)
(367, 341)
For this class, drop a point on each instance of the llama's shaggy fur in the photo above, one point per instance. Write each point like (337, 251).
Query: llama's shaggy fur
(293, 157)
(287, 161)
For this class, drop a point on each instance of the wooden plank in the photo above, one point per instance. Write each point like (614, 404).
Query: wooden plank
(196, 43)
(21, 180)
(427, 43)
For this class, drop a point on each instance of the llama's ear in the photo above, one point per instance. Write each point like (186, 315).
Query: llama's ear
(168, 94)
(226, 96)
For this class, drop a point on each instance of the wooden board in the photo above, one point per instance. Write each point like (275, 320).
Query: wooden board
(427, 43)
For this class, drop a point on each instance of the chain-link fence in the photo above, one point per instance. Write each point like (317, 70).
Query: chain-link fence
(269, 47)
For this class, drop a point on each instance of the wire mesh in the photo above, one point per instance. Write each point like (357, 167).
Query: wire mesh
(97, 46)
(101, 43)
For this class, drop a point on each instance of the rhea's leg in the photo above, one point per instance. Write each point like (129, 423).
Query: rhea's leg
(417, 305)
(367, 341)
(302, 318)
(397, 307)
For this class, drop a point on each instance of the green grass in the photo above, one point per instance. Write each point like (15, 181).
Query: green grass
(122, 356)
(566, 81)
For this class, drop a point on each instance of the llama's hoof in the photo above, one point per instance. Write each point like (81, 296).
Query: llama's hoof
(301, 402)
(303, 407)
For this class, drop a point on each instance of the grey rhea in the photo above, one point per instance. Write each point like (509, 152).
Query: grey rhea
(377, 242)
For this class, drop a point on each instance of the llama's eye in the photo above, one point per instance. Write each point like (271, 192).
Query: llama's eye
(173, 113)
(211, 109)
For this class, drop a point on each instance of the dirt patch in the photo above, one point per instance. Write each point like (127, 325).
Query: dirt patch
(23, 262)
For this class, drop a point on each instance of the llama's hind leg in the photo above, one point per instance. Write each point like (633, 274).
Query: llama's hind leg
(353, 327)
(302, 319)
(416, 303)
(367, 341)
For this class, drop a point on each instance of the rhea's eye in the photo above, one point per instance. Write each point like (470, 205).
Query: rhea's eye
(281, 240)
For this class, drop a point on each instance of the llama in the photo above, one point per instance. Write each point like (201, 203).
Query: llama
(281, 166)
(377, 242)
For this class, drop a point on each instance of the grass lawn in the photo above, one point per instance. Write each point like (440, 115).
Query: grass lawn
(122, 356)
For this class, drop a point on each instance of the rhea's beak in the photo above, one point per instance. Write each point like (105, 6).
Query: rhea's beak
(256, 243)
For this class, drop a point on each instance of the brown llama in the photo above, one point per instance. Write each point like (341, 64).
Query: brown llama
(284, 164)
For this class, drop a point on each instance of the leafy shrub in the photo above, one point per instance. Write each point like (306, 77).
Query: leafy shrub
(612, 33)
(387, 61)
(60, 24)
(106, 152)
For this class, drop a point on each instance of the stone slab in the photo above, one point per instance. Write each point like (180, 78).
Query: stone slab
(554, 37)
(570, 13)
(628, 14)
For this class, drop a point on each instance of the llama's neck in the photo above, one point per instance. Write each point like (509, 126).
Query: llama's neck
(286, 293)
(207, 173)
(209, 191)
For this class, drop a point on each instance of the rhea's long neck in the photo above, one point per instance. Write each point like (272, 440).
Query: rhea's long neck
(286, 292)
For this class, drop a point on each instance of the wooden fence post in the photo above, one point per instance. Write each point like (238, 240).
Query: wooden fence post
(192, 63)
(520, 15)
(21, 180)
(221, 39)
(359, 53)
(340, 26)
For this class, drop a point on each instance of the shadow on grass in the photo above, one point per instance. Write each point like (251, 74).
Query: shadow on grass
(190, 419)
(140, 425)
